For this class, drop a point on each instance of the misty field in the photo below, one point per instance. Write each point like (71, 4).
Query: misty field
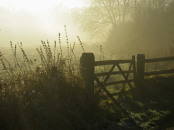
(50, 94)
(42, 84)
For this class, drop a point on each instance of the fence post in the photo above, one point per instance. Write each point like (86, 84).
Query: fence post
(140, 70)
(134, 69)
(87, 72)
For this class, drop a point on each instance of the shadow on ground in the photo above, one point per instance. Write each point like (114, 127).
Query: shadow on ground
(149, 108)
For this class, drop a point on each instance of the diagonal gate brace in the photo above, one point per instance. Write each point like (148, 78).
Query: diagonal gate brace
(124, 75)
(106, 79)
(113, 99)
(127, 74)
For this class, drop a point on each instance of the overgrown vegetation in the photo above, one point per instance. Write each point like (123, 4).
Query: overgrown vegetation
(49, 93)
(45, 94)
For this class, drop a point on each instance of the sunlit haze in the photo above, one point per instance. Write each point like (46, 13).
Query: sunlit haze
(39, 5)
(131, 26)
(30, 21)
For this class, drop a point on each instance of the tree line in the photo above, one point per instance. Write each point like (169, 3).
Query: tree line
(135, 23)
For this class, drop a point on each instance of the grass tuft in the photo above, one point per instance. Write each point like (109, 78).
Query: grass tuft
(46, 93)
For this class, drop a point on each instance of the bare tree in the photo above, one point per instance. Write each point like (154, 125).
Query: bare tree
(150, 27)
(103, 14)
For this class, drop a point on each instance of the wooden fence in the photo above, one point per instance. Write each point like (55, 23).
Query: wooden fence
(141, 61)
(88, 64)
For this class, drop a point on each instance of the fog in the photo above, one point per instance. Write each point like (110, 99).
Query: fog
(32, 22)
(123, 28)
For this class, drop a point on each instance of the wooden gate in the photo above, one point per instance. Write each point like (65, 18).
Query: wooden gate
(88, 65)
(116, 63)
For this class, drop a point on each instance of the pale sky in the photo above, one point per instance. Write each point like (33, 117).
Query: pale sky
(17, 27)
(39, 5)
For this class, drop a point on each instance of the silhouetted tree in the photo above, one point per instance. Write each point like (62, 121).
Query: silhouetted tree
(150, 27)
(103, 14)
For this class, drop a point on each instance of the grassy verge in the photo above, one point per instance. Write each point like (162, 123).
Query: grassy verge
(149, 108)
(49, 93)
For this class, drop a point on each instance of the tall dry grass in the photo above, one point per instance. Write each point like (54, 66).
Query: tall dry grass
(47, 93)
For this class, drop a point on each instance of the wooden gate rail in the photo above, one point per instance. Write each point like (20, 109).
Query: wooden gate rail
(159, 72)
(141, 67)
(110, 62)
(159, 60)
(119, 82)
(113, 73)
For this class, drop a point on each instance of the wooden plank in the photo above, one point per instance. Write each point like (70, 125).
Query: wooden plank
(125, 77)
(113, 99)
(159, 59)
(113, 73)
(119, 82)
(87, 72)
(140, 70)
(159, 72)
(109, 62)
(134, 68)
(128, 74)
(106, 79)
